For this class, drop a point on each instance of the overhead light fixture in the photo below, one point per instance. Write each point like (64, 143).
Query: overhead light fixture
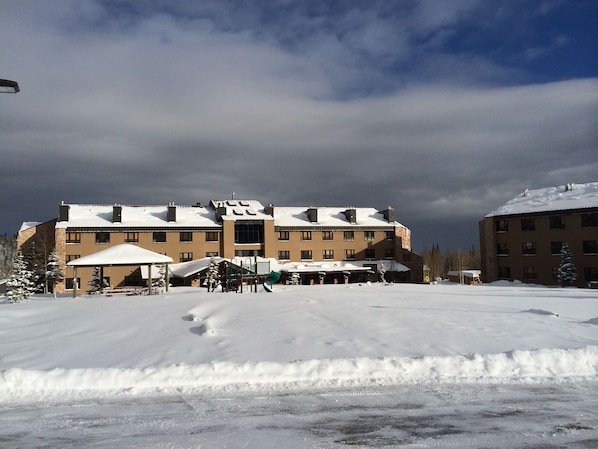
(9, 87)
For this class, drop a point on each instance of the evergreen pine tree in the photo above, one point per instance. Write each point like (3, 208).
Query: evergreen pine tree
(567, 273)
(213, 275)
(96, 282)
(20, 284)
(54, 274)
(160, 282)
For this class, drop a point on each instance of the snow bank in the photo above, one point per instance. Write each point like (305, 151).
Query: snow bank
(511, 367)
(298, 337)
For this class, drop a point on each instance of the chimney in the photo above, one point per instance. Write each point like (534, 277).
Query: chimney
(389, 214)
(117, 212)
(351, 215)
(171, 215)
(220, 211)
(312, 214)
(63, 214)
(269, 210)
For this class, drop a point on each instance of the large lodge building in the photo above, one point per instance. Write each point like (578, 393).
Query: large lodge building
(522, 239)
(307, 236)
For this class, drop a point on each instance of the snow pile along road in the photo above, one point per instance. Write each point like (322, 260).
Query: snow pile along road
(512, 367)
(299, 337)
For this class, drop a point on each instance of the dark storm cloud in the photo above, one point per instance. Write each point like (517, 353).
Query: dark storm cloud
(410, 104)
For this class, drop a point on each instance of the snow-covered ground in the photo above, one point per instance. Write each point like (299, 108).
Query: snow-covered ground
(297, 339)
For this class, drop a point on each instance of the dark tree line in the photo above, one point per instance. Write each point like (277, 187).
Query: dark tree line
(441, 263)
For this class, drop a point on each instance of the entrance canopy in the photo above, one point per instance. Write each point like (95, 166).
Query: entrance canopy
(125, 254)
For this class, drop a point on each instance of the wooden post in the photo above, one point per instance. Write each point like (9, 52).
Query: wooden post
(149, 279)
(74, 282)
(167, 277)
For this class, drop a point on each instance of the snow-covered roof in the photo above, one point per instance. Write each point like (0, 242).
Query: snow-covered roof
(185, 269)
(101, 215)
(567, 197)
(241, 209)
(125, 254)
(29, 224)
(330, 216)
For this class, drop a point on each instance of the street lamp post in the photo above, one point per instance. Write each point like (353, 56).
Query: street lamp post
(9, 87)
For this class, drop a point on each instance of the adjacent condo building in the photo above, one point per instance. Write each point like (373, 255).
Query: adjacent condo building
(319, 237)
(522, 239)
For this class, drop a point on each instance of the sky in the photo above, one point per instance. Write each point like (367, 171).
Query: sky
(443, 110)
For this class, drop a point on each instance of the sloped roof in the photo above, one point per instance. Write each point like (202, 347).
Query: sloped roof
(185, 269)
(330, 216)
(100, 215)
(566, 197)
(241, 209)
(125, 254)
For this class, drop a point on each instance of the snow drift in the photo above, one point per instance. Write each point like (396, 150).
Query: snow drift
(300, 337)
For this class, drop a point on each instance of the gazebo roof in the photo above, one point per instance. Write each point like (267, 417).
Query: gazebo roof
(125, 254)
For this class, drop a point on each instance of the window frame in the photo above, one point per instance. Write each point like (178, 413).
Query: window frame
(131, 237)
(157, 234)
(102, 238)
(306, 236)
(73, 237)
(186, 237)
(212, 236)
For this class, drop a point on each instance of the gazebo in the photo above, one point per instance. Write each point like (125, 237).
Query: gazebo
(122, 255)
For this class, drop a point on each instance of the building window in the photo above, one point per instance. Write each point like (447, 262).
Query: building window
(369, 235)
(530, 273)
(185, 237)
(389, 235)
(211, 236)
(528, 224)
(528, 248)
(370, 253)
(69, 283)
(70, 257)
(249, 233)
(306, 254)
(73, 237)
(349, 254)
(159, 237)
(305, 235)
(211, 253)
(349, 236)
(284, 255)
(283, 235)
(248, 253)
(589, 220)
(185, 257)
(102, 238)
(389, 253)
(557, 222)
(555, 248)
(502, 249)
(590, 274)
(327, 235)
(131, 237)
(504, 272)
(590, 247)
(501, 225)
(328, 254)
